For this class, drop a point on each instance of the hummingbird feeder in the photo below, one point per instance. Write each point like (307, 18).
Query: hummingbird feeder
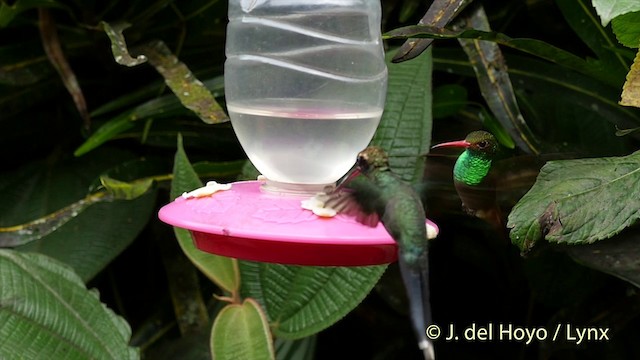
(305, 89)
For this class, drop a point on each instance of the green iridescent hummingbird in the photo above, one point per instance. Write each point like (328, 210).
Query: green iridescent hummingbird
(382, 195)
(474, 181)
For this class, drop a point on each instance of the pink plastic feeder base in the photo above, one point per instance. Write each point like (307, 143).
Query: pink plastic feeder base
(247, 223)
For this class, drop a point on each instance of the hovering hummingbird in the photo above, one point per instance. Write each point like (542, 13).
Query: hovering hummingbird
(382, 195)
(474, 181)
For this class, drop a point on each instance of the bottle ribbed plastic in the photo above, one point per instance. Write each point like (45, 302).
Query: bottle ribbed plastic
(305, 84)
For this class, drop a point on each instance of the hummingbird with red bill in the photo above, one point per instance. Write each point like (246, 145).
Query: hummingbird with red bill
(474, 181)
(381, 195)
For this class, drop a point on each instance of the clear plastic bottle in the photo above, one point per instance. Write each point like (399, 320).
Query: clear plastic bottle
(305, 84)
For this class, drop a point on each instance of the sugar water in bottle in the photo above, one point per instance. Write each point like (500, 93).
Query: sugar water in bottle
(305, 84)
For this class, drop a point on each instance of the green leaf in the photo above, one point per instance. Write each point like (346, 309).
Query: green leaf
(221, 270)
(303, 300)
(583, 20)
(578, 202)
(123, 190)
(495, 84)
(191, 91)
(47, 313)
(106, 132)
(627, 29)
(531, 46)
(51, 196)
(91, 240)
(241, 332)
(609, 9)
(448, 100)
(405, 128)
(167, 106)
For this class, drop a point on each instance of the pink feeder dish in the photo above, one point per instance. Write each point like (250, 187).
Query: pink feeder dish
(247, 223)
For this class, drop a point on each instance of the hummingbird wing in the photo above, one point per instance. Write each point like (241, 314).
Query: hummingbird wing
(358, 199)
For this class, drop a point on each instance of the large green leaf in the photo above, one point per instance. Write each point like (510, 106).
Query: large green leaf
(609, 9)
(90, 241)
(47, 313)
(85, 237)
(302, 300)
(627, 29)
(241, 331)
(221, 270)
(578, 202)
(405, 128)
(584, 22)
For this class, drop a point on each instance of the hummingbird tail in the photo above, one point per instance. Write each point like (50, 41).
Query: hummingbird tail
(416, 282)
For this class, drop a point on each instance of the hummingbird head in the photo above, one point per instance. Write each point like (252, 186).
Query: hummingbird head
(371, 158)
(477, 142)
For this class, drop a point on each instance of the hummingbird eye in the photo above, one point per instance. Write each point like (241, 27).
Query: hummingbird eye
(483, 144)
(362, 163)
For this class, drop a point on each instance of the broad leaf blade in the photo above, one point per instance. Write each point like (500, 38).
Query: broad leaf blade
(46, 312)
(87, 235)
(609, 9)
(405, 128)
(90, 241)
(241, 331)
(302, 300)
(627, 29)
(578, 202)
(221, 270)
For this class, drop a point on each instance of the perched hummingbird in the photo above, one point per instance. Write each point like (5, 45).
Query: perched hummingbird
(383, 195)
(472, 176)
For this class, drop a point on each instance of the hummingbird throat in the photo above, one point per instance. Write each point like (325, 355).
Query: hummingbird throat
(471, 169)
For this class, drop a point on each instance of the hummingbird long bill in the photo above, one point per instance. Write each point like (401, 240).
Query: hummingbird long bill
(380, 194)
